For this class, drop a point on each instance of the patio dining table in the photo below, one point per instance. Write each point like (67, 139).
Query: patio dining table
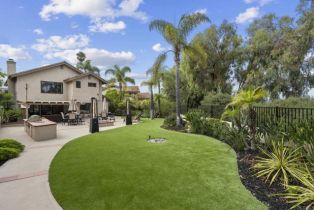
(74, 118)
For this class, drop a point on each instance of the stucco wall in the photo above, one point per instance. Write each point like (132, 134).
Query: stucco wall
(33, 81)
(85, 93)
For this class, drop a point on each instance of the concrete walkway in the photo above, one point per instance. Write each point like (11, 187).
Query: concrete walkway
(24, 180)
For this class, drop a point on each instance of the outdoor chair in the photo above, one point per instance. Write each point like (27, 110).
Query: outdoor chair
(72, 119)
(80, 119)
(64, 118)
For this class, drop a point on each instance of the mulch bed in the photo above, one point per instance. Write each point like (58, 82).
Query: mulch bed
(261, 190)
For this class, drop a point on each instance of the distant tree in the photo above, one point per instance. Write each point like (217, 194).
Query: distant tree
(85, 65)
(2, 76)
(220, 45)
(157, 71)
(119, 76)
(176, 36)
(150, 84)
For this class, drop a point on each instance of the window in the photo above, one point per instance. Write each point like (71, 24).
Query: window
(78, 84)
(51, 87)
(92, 84)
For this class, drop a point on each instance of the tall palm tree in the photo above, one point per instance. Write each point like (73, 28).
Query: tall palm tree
(150, 84)
(119, 76)
(157, 72)
(176, 36)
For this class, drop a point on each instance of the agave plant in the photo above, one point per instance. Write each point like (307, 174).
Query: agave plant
(302, 194)
(281, 162)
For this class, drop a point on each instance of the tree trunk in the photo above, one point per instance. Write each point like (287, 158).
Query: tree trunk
(152, 107)
(158, 101)
(252, 115)
(120, 89)
(178, 108)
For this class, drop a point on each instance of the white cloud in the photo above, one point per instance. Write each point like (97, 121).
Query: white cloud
(100, 57)
(93, 9)
(54, 43)
(19, 53)
(138, 76)
(74, 25)
(38, 31)
(104, 26)
(248, 15)
(202, 11)
(260, 2)
(130, 7)
(66, 48)
(158, 48)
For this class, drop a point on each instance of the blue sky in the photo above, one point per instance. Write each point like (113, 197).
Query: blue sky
(41, 32)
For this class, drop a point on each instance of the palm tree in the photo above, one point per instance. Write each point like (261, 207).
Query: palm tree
(157, 72)
(150, 84)
(176, 36)
(119, 76)
(245, 100)
(2, 76)
(86, 65)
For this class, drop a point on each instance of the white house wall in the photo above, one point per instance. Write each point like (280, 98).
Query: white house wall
(33, 81)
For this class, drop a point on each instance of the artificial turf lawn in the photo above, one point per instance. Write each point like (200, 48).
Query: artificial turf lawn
(118, 169)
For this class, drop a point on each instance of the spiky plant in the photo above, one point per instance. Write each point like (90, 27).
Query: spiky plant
(302, 194)
(279, 163)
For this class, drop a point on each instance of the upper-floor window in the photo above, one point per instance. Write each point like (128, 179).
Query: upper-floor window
(78, 84)
(51, 87)
(92, 84)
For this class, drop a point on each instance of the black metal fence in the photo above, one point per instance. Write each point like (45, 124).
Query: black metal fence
(284, 115)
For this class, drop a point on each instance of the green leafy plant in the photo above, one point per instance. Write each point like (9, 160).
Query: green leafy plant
(10, 143)
(170, 121)
(243, 102)
(281, 162)
(302, 194)
(196, 121)
(8, 153)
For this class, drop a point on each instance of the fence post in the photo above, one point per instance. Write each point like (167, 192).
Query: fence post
(277, 113)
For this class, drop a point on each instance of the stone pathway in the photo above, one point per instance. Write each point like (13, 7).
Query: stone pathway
(24, 180)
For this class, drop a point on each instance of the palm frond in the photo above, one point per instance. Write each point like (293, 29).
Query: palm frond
(129, 80)
(126, 69)
(109, 72)
(188, 22)
(166, 29)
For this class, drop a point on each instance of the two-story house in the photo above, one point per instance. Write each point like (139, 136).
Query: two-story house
(52, 89)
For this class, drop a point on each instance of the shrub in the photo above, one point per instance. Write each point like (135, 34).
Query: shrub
(170, 121)
(302, 194)
(12, 115)
(196, 121)
(291, 102)
(10, 143)
(8, 153)
(281, 162)
(216, 128)
(215, 103)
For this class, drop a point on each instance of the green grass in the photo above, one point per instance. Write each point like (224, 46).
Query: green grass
(119, 170)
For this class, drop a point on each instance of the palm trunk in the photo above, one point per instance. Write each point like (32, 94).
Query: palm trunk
(120, 89)
(152, 107)
(178, 108)
(158, 101)
(252, 115)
